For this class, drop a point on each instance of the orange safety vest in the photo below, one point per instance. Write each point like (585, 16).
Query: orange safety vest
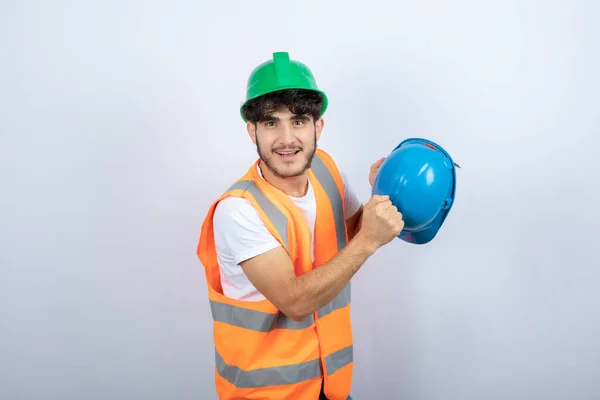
(259, 352)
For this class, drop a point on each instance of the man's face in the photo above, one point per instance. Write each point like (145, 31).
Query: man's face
(286, 142)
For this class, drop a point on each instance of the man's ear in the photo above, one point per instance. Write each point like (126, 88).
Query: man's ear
(251, 128)
(319, 127)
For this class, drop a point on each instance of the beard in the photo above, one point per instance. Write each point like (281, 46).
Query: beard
(283, 169)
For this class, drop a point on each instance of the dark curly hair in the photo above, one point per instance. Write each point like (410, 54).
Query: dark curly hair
(298, 101)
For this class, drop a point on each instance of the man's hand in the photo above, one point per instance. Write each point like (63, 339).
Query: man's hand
(381, 222)
(355, 222)
(374, 169)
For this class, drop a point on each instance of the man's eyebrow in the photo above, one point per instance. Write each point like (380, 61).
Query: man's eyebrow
(301, 117)
(297, 117)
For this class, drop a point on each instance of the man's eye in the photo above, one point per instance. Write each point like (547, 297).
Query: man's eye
(299, 122)
(270, 123)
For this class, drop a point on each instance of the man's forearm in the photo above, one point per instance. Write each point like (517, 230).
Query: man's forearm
(316, 288)
(354, 223)
(358, 226)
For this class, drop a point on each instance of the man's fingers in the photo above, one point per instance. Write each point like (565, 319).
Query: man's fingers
(376, 199)
(380, 197)
(389, 209)
(377, 163)
(398, 216)
(385, 208)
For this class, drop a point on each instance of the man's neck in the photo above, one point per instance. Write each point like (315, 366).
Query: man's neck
(296, 186)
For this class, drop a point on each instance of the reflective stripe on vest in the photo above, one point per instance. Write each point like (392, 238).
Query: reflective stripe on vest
(275, 215)
(285, 375)
(335, 197)
(265, 322)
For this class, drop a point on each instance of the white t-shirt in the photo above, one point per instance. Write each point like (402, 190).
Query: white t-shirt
(240, 234)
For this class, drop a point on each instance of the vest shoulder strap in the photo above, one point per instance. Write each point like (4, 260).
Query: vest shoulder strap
(272, 214)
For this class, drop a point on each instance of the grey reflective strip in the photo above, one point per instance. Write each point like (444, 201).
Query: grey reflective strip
(278, 219)
(255, 320)
(284, 375)
(274, 376)
(339, 359)
(339, 301)
(335, 197)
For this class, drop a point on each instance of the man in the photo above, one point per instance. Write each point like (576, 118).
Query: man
(281, 245)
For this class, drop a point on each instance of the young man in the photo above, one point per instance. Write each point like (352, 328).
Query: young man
(281, 245)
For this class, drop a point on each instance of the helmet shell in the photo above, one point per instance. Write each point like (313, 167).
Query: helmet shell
(281, 73)
(419, 176)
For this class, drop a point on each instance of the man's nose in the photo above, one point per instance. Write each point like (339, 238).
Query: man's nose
(286, 134)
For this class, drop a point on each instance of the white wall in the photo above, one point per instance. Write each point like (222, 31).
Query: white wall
(117, 117)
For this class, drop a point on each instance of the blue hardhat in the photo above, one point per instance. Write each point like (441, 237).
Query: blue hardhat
(419, 176)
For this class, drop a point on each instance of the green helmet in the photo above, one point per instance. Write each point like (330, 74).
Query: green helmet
(278, 74)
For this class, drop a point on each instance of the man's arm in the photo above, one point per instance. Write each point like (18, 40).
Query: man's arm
(354, 223)
(272, 273)
(353, 208)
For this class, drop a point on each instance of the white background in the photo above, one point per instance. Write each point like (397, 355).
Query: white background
(119, 126)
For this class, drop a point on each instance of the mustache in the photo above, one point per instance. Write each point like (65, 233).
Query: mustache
(288, 148)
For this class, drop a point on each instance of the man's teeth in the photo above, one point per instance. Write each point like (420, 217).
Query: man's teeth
(285, 153)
